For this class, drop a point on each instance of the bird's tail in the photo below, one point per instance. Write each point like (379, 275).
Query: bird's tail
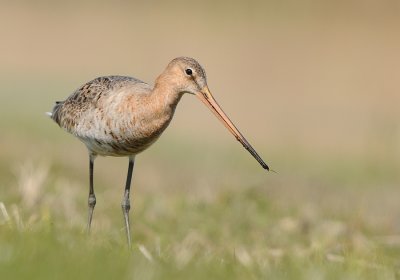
(55, 114)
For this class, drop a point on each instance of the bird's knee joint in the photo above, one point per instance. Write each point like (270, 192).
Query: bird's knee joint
(92, 200)
(126, 205)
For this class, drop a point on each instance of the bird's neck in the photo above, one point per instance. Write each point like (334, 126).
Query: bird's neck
(160, 104)
(166, 93)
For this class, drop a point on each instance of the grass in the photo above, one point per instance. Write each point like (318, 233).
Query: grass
(250, 240)
(214, 233)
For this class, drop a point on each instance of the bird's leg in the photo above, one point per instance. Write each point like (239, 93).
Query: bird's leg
(92, 197)
(126, 205)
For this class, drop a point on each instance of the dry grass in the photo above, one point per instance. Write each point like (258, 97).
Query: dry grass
(231, 233)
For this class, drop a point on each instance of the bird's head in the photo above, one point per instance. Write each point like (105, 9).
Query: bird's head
(186, 75)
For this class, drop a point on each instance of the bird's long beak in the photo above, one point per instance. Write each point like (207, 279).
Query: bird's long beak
(205, 96)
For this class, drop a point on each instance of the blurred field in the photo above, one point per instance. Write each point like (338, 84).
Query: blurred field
(313, 85)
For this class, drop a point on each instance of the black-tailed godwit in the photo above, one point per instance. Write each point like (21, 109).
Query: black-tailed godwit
(123, 116)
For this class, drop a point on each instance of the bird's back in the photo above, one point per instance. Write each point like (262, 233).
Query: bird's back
(85, 98)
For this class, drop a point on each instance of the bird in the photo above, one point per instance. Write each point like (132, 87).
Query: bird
(122, 116)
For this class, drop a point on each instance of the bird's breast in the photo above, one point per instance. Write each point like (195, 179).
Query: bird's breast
(125, 132)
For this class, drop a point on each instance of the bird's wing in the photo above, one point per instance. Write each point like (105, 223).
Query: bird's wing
(66, 113)
(92, 91)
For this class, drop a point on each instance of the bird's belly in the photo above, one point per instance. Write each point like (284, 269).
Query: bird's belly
(117, 148)
(122, 136)
(122, 141)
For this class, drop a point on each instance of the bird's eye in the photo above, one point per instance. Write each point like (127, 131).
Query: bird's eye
(189, 72)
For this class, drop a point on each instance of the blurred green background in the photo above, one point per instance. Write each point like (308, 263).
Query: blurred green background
(313, 85)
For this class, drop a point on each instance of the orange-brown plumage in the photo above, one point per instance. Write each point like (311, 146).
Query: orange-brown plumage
(123, 116)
